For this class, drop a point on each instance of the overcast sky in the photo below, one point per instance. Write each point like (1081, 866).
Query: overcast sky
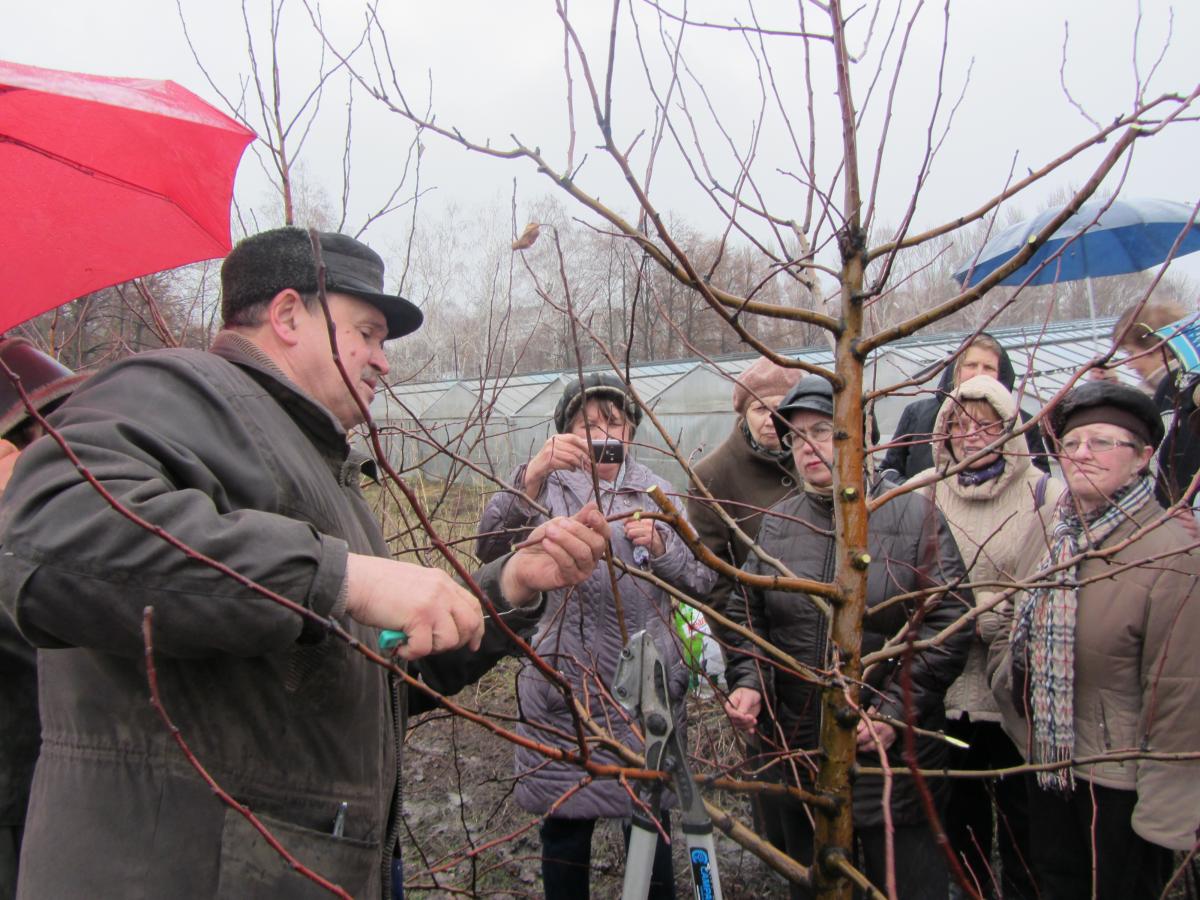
(497, 68)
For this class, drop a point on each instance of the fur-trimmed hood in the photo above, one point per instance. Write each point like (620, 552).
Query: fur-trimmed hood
(1014, 448)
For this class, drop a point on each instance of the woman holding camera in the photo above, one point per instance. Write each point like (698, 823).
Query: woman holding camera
(580, 633)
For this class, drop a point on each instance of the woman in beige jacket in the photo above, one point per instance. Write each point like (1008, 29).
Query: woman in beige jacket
(992, 506)
(1099, 680)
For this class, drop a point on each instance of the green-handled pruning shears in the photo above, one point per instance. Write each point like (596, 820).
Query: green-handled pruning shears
(389, 639)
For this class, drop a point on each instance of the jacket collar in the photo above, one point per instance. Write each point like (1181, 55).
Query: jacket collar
(316, 421)
(749, 452)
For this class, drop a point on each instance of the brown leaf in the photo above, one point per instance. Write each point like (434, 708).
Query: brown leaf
(528, 236)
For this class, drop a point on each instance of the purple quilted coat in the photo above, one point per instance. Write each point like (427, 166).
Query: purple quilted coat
(580, 637)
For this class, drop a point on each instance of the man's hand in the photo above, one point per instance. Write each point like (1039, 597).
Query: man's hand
(743, 707)
(9, 455)
(431, 608)
(561, 451)
(559, 553)
(866, 743)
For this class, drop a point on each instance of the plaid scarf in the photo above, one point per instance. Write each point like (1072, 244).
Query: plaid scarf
(1043, 638)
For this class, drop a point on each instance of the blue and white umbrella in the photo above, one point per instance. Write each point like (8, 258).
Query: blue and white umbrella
(1128, 236)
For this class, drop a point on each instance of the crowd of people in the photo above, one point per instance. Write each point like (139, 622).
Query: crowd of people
(1032, 605)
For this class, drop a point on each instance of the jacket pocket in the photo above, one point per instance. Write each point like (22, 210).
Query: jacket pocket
(1118, 731)
(1118, 720)
(253, 870)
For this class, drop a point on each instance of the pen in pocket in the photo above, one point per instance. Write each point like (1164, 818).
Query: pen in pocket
(339, 819)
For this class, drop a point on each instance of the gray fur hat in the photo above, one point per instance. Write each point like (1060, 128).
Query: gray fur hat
(264, 264)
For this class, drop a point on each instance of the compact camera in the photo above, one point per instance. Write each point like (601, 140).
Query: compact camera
(608, 451)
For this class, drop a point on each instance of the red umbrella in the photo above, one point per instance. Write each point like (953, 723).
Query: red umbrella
(106, 179)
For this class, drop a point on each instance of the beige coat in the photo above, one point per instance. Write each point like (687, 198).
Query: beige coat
(990, 522)
(1137, 674)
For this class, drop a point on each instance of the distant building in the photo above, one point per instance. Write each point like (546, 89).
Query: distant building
(493, 424)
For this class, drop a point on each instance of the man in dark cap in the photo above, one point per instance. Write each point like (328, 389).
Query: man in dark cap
(240, 453)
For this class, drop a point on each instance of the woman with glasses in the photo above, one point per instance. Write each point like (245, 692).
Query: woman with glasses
(912, 554)
(992, 498)
(1100, 665)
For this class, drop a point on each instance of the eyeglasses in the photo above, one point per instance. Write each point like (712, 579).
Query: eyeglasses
(970, 426)
(818, 434)
(1095, 444)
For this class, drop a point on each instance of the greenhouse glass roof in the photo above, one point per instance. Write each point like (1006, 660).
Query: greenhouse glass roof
(1049, 353)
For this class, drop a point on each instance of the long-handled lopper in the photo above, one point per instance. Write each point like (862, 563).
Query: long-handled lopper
(640, 686)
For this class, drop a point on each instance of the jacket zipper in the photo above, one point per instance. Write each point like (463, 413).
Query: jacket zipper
(393, 828)
(823, 655)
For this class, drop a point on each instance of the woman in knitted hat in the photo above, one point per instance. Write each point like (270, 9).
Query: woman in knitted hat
(749, 472)
(1101, 659)
(580, 633)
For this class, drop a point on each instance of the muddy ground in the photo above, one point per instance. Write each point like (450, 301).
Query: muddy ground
(467, 838)
(458, 781)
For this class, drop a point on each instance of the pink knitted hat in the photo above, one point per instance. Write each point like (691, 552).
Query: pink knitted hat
(763, 379)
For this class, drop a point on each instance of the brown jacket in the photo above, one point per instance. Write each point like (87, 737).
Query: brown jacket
(1137, 674)
(744, 481)
(222, 452)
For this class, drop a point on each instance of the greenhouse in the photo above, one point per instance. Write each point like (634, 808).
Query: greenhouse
(491, 425)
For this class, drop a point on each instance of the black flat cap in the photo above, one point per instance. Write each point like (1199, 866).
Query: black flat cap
(1112, 403)
(812, 393)
(264, 264)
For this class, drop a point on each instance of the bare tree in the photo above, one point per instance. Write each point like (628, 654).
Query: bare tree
(614, 286)
(879, 289)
